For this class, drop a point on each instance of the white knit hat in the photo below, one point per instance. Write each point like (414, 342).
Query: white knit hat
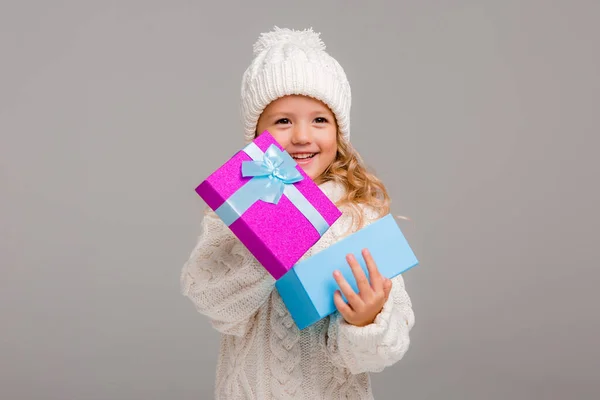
(288, 62)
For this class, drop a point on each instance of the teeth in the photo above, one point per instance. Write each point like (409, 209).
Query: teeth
(303, 156)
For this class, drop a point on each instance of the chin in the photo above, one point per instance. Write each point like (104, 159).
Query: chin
(313, 175)
(308, 172)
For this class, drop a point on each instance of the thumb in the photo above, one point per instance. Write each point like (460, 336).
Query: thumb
(387, 287)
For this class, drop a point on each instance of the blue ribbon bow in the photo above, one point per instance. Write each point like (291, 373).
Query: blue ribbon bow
(276, 169)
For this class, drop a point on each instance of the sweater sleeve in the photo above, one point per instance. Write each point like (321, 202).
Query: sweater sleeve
(224, 280)
(376, 346)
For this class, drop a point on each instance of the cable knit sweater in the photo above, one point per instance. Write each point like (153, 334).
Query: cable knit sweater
(262, 353)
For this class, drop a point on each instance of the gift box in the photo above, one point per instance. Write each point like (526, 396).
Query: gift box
(269, 203)
(307, 289)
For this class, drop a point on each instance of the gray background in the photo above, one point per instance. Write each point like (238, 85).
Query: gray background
(478, 115)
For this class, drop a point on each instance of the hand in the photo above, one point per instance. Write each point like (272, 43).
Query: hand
(362, 308)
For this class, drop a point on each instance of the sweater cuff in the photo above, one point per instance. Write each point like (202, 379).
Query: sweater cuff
(368, 337)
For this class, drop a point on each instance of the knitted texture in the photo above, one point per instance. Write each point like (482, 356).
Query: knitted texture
(262, 353)
(288, 62)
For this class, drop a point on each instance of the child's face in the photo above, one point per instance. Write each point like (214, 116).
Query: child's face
(305, 128)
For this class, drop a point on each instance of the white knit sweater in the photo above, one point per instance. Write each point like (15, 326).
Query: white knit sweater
(262, 353)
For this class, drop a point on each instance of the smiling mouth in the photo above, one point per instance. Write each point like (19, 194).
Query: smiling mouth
(303, 156)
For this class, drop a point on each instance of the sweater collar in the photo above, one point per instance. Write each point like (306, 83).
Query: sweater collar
(333, 190)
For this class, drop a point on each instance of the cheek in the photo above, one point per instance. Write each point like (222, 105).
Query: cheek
(329, 147)
(281, 137)
(331, 155)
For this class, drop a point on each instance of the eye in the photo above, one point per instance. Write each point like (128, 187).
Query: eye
(282, 121)
(321, 120)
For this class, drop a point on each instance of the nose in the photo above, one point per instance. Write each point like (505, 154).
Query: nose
(301, 134)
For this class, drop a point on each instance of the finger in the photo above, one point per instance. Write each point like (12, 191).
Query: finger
(342, 306)
(387, 288)
(374, 275)
(364, 288)
(353, 299)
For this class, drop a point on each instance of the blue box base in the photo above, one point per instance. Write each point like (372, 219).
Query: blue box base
(307, 289)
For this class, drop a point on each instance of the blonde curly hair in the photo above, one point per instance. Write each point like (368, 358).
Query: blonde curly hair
(361, 186)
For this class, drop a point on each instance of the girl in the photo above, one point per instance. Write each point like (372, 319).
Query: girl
(300, 94)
